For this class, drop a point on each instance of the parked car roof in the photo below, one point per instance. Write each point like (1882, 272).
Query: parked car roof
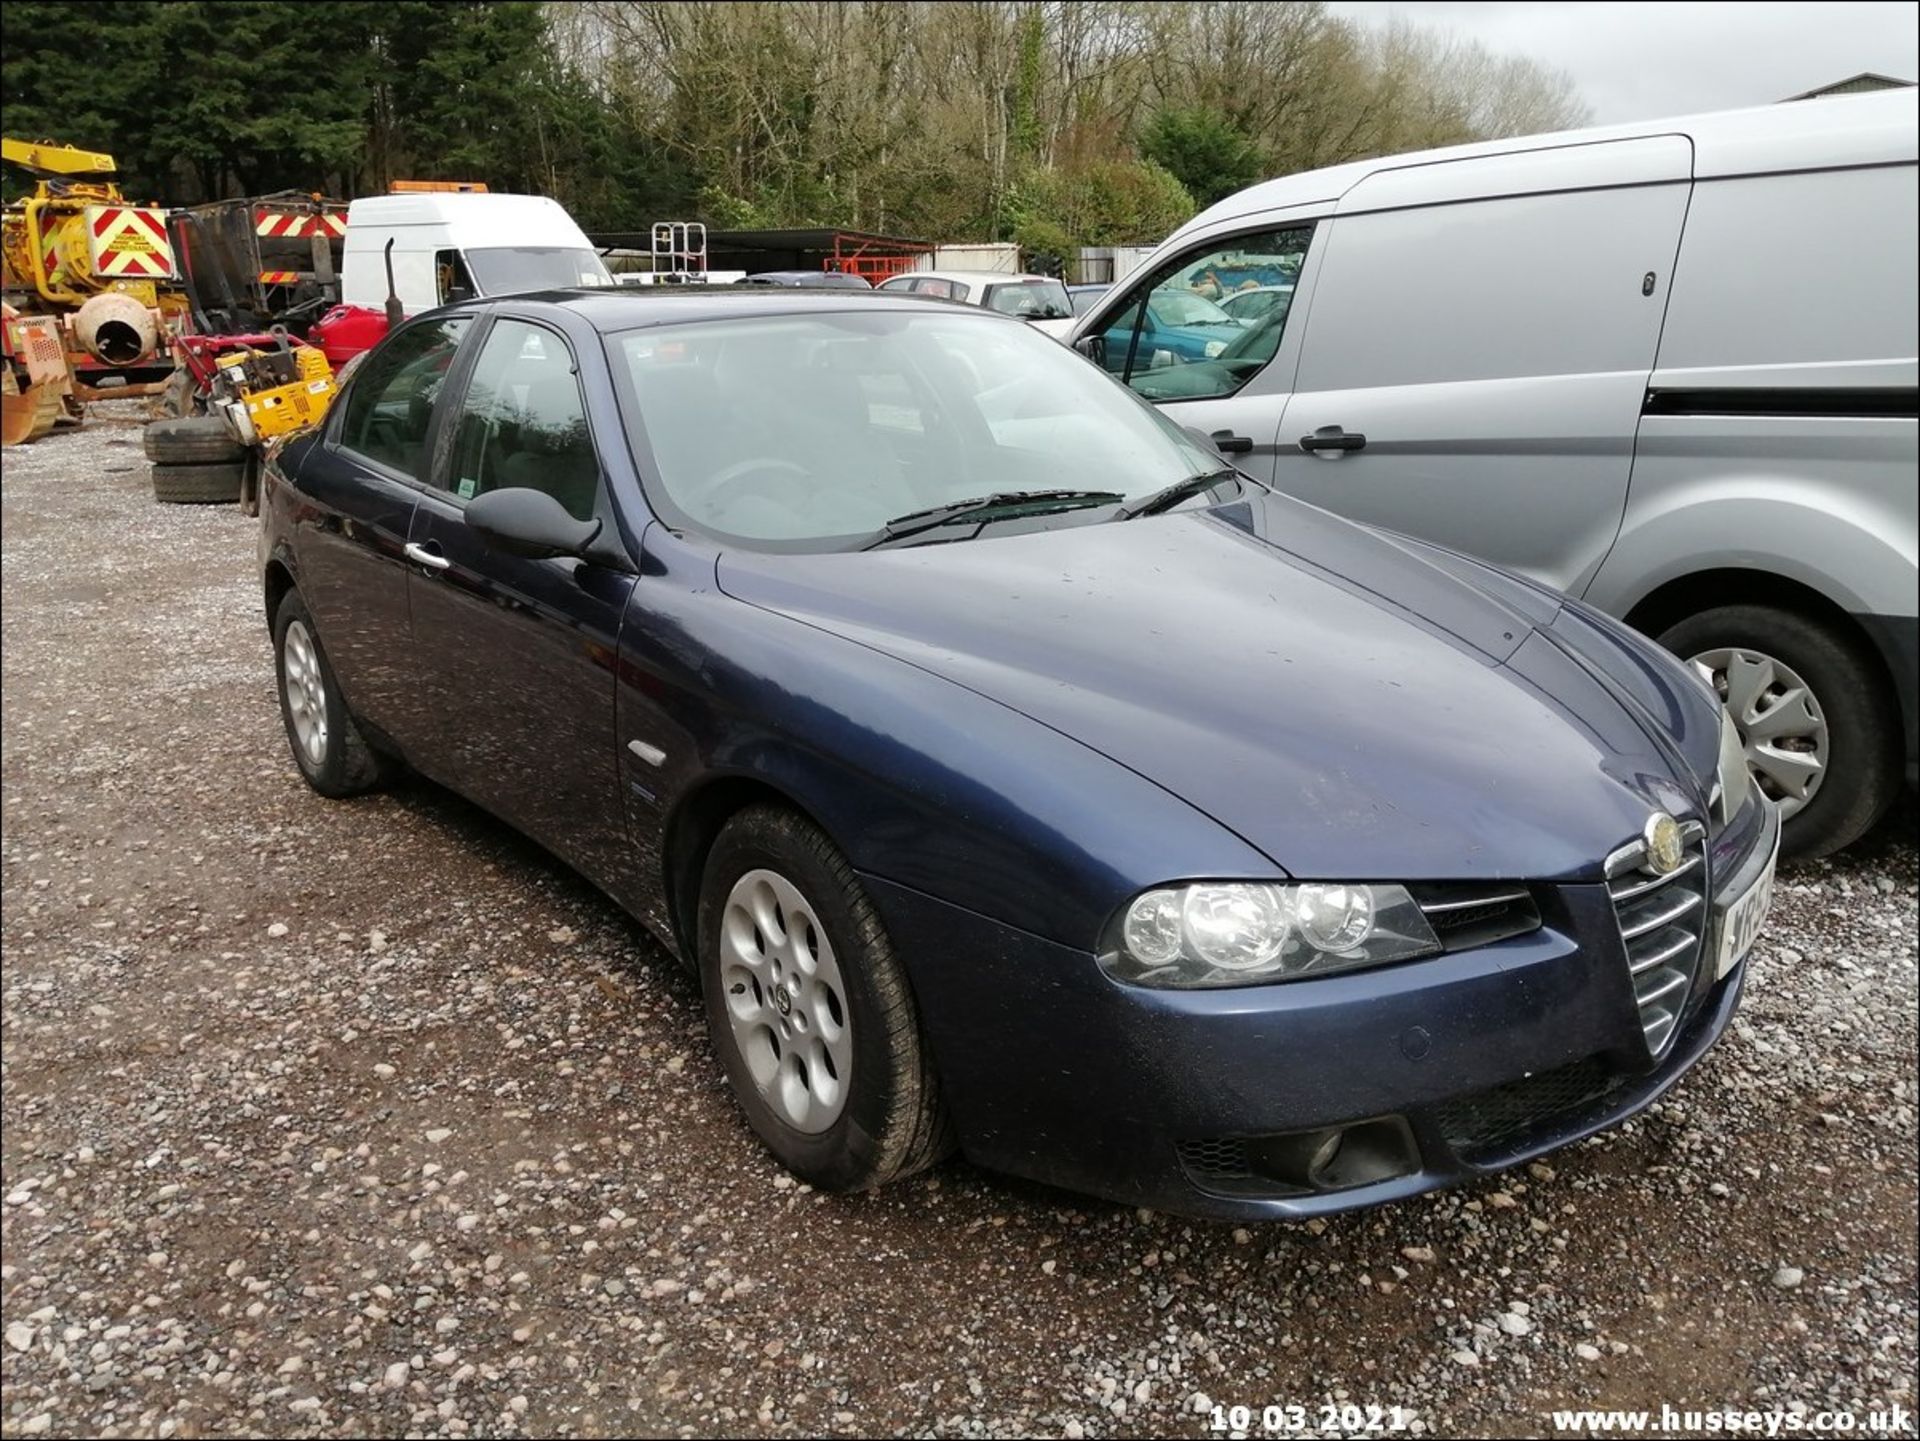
(820, 279)
(975, 277)
(620, 308)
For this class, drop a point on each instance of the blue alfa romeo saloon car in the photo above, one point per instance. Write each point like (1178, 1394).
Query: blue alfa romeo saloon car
(1016, 776)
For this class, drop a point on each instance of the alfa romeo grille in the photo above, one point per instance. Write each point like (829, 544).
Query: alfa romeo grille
(1662, 921)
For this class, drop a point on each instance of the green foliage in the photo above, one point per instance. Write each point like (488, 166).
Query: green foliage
(1099, 122)
(1210, 155)
(1110, 202)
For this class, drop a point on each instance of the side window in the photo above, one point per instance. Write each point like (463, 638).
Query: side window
(522, 422)
(389, 407)
(1188, 330)
(450, 277)
(939, 289)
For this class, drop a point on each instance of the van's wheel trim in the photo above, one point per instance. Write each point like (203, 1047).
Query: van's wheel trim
(786, 1001)
(1782, 726)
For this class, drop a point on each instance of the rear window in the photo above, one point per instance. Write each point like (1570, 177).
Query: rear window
(1030, 299)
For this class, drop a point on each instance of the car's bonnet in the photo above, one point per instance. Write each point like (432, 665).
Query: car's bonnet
(1348, 706)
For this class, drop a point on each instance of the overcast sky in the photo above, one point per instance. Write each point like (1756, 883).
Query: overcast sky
(1640, 61)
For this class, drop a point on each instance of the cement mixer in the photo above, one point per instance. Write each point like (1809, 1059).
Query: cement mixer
(77, 250)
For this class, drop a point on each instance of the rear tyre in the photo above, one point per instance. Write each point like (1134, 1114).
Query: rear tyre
(1820, 730)
(810, 1011)
(181, 396)
(327, 746)
(191, 440)
(199, 484)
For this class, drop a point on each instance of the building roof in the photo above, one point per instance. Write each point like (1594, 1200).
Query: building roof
(1853, 85)
(823, 240)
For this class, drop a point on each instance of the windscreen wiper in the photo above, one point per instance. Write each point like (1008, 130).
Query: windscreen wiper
(1173, 494)
(988, 507)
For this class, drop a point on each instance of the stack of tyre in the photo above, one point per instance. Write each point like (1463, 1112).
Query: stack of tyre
(196, 461)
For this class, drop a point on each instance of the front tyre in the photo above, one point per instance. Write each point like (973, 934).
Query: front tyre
(327, 746)
(1818, 726)
(810, 1010)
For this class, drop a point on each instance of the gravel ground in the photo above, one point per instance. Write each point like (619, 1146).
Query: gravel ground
(369, 1118)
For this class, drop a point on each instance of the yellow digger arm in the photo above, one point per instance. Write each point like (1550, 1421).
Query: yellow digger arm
(44, 158)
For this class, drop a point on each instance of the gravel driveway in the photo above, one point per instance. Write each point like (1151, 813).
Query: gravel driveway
(369, 1118)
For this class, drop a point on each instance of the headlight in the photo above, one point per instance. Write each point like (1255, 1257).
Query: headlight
(1236, 933)
(1214, 347)
(1732, 778)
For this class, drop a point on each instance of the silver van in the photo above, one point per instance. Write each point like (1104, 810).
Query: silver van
(1670, 369)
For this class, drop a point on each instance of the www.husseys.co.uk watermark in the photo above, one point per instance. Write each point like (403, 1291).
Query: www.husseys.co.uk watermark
(1734, 1421)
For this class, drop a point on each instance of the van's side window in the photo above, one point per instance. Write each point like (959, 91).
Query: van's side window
(389, 406)
(1205, 324)
(451, 277)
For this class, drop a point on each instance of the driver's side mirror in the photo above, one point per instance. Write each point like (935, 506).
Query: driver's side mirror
(523, 521)
(1094, 347)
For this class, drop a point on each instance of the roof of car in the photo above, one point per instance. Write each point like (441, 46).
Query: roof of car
(969, 277)
(629, 308)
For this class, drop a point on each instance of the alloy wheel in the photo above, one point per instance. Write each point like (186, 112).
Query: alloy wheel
(306, 692)
(786, 1001)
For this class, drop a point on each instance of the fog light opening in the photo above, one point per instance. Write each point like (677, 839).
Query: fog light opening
(1337, 1158)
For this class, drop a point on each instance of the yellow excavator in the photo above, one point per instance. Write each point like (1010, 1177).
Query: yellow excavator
(101, 268)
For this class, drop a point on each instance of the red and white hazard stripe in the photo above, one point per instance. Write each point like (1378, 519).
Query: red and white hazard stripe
(275, 224)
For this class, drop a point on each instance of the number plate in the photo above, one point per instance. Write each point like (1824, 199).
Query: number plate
(1740, 925)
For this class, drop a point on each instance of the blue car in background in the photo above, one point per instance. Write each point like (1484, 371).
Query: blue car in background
(1016, 777)
(1180, 326)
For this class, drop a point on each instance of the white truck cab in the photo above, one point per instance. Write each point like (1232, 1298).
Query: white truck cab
(451, 246)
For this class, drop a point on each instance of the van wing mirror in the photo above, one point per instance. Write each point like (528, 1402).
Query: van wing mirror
(1094, 347)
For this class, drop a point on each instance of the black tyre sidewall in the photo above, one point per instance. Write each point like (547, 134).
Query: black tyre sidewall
(848, 1154)
(332, 777)
(1863, 735)
(191, 440)
(211, 484)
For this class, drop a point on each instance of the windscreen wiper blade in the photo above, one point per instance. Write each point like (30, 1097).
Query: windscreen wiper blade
(986, 507)
(1173, 494)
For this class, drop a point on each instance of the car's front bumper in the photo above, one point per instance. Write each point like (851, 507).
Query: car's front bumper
(1480, 1059)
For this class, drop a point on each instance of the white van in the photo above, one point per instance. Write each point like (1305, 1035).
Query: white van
(453, 245)
(1668, 368)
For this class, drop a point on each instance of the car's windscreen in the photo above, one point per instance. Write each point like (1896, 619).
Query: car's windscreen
(813, 431)
(1084, 299)
(1030, 299)
(1180, 307)
(512, 269)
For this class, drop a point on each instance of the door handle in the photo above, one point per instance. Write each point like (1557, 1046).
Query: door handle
(1332, 437)
(1227, 443)
(420, 555)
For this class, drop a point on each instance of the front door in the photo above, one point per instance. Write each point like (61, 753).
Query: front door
(518, 655)
(1224, 372)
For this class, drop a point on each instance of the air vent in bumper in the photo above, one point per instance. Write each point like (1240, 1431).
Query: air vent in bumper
(1465, 916)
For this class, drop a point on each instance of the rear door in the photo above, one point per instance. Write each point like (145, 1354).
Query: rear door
(516, 656)
(1478, 345)
(358, 491)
